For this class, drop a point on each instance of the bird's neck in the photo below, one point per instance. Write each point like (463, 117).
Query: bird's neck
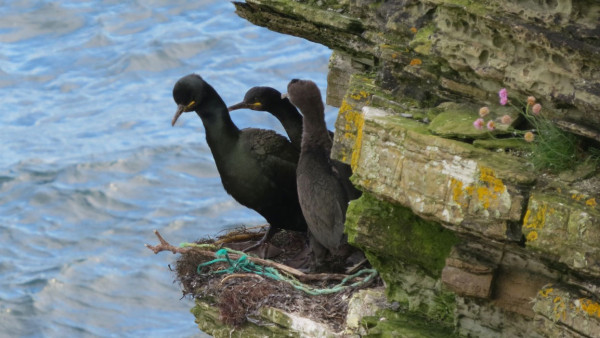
(291, 120)
(220, 129)
(315, 133)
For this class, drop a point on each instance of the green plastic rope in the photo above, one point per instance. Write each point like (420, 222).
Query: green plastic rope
(243, 264)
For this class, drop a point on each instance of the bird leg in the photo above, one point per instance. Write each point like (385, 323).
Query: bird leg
(267, 237)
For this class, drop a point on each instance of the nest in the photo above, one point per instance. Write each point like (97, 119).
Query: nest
(239, 296)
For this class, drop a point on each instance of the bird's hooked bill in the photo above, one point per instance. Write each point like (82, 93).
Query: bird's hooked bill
(180, 110)
(244, 105)
(237, 106)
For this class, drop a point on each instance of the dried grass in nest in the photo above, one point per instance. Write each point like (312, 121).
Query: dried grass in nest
(240, 296)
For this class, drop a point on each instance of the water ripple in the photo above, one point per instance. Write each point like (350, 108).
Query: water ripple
(90, 164)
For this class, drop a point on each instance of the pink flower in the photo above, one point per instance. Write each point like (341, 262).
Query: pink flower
(503, 96)
(478, 124)
(536, 109)
(530, 100)
(506, 119)
(483, 111)
(491, 125)
(529, 136)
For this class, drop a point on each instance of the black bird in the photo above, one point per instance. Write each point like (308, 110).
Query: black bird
(257, 166)
(324, 193)
(270, 100)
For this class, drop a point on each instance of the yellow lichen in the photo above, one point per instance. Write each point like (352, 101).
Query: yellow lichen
(536, 221)
(488, 176)
(353, 128)
(532, 236)
(456, 187)
(546, 292)
(415, 62)
(590, 307)
(347, 111)
(559, 308)
(489, 189)
(484, 196)
(344, 107)
(359, 122)
(413, 29)
(591, 202)
(486, 191)
(360, 95)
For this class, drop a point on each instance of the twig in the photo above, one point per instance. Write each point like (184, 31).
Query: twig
(354, 269)
(238, 238)
(301, 276)
(165, 246)
(240, 275)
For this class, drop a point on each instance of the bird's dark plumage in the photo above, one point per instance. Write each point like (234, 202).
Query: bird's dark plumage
(324, 193)
(257, 166)
(269, 99)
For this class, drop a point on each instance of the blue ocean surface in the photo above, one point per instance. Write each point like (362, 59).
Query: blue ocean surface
(90, 164)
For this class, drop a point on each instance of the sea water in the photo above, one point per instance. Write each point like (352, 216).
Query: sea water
(90, 164)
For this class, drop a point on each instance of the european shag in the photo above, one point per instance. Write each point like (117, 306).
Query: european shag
(270, 100)
(257, 166)
(324, 193)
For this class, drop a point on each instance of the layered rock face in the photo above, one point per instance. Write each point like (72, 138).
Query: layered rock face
(463, 232)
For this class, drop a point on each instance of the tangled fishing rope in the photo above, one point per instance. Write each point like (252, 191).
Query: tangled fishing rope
(243, 264)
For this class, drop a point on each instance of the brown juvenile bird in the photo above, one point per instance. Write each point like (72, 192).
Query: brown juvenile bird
(257, 166)
(324, 193)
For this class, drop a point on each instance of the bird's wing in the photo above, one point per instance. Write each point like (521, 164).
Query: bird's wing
(277, 156)
(324, 201)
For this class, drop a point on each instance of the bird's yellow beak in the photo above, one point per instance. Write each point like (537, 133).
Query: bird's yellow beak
(182, 109)
(243, 105)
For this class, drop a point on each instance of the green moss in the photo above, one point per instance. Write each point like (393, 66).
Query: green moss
(457, 124)
(320, 16)
(408, 252)
(397, 324)
(421, 43)
(207, 318)
(408, 238)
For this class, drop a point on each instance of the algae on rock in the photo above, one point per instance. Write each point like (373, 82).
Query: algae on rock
(408, 252)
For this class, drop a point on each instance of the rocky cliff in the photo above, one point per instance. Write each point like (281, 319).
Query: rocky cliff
(462, 227)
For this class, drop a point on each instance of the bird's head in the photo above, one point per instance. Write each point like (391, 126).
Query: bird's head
(304, 94)
(188, 93)
(259, 98)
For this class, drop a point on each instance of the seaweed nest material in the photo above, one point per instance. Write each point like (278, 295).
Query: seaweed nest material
(240, 295)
